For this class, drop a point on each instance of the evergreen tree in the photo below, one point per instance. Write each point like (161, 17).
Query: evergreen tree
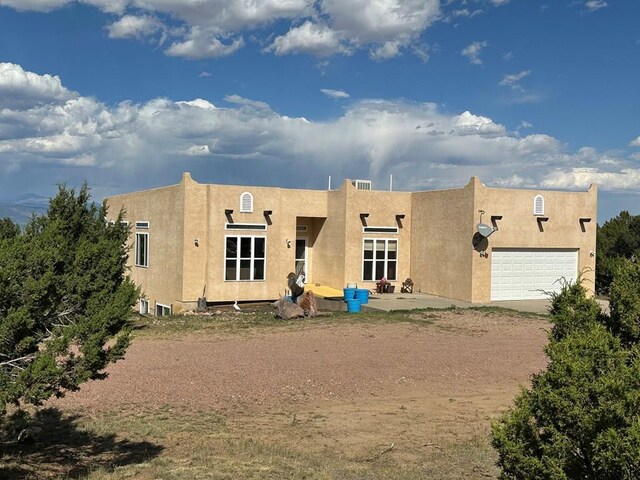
(65, 301)
(581, 416)
(616, 240)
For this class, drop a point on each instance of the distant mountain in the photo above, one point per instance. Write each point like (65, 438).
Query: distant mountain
(23, 207)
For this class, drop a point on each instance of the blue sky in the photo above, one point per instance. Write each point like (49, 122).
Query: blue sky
(127, 94)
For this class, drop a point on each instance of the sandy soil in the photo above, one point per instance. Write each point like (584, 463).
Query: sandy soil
(466, 355)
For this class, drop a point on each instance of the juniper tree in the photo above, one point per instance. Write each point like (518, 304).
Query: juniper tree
(65, 301)
(581, 416)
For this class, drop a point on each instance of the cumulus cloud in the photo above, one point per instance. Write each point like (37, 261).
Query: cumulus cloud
(20, 88)
(132, 26)
(119, 148)
(213, 28)
(312, 38)
(334, 93)
(364, 21)
(200, 44)
(626, 179)
(472, 52)
(635, 142)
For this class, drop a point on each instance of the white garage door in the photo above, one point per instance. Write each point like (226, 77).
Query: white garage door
(520, 274)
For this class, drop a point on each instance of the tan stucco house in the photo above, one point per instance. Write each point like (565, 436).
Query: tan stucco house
(230, 243)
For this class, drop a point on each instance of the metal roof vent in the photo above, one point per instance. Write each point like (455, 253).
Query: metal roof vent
(361, 184)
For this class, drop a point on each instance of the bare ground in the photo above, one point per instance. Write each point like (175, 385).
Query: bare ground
(419, 397)
(461, 354)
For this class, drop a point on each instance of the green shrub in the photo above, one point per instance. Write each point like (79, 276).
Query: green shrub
(581, 416)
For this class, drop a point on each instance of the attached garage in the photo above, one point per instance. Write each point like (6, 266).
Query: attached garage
(527, 273)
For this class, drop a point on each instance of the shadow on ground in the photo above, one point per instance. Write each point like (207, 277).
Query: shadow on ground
(61, 448)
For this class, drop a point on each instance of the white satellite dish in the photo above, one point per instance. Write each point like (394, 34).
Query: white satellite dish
(484, 229)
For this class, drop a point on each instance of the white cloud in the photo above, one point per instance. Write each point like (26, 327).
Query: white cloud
(334, 93)
(18, 87)
(593, 5)
(213, 28)
(625, 179)
(635, 142)
(132, 26)
(312, 38)
(200, 44)
(35, 5)
(114, 147)
(472, 52)
(498, 3)
(381, 21)
(465, 12)
(512, 80)
(198, 151)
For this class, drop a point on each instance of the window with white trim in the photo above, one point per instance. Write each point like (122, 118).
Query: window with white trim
(144, 306)
(142, 249)
(162, 310)
(246, 203)
(245, 258)
(379, 259)
(538, 205)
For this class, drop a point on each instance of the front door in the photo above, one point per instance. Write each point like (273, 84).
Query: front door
(301, 256)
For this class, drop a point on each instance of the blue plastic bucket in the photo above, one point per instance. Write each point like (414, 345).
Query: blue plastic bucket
(362, 294)
(349, 293)
(353, 305)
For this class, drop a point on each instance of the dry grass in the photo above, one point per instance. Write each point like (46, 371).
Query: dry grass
(170, 445)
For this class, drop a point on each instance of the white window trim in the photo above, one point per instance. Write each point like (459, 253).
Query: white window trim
(147, 250)
(142, 224)
(162, 305)
(386, 259)
(146, 305)
(535, 205)
(253, 258)
(243, 209)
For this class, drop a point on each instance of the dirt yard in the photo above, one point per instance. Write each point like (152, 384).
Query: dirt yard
(328, 400)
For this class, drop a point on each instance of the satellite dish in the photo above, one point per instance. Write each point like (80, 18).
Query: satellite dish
(484, 229)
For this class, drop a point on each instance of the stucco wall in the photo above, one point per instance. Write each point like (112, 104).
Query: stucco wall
(519, 227)
(329, 245)
(163, 208)
(434, 242)
(286, 206)
(382, 207)
(442, 227)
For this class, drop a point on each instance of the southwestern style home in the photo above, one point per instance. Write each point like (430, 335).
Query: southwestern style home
(237, 243)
